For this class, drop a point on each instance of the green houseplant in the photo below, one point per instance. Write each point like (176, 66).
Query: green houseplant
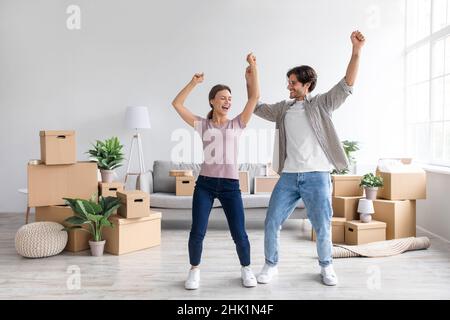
(108, 155)
(95, 215)
(349, 148)
(370, 182)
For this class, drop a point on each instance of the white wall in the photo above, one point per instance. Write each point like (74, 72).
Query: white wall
(433, 213)
(143, 52)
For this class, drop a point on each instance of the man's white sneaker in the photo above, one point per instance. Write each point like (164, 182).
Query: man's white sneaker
(248, 278)
(267, 273)
(193, 280)
(329, 277)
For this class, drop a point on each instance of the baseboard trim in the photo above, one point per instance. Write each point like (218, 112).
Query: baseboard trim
(433, 234)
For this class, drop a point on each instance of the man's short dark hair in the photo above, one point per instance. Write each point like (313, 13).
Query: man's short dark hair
(304, 74)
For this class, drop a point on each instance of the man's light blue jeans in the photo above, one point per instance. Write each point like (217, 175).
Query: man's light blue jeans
(315, 190)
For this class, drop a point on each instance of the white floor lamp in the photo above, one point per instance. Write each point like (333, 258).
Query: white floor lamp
(136, 118)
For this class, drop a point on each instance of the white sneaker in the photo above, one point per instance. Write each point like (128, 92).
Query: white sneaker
(193, 280)
(329, 277)
(248, 278)
(267, 273)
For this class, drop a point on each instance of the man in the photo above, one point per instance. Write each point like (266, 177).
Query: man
(309, 148)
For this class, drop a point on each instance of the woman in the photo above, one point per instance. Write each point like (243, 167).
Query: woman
(219, 172)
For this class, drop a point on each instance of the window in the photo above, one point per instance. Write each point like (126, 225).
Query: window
(427, 71)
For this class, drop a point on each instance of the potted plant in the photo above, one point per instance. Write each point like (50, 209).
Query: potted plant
(349, 147)
(95, 215)
(370, 182)
(108, 155)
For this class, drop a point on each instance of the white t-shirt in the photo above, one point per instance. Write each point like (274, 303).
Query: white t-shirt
(304, 154)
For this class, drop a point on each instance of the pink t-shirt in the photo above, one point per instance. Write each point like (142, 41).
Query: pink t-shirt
(220, 147)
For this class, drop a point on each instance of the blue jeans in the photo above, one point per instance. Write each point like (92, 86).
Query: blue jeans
(315, 190)
(229, 195)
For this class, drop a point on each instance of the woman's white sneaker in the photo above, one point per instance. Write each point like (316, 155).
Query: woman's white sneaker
(193, 280)
(267, 273)
(248, 278)
(329, 277)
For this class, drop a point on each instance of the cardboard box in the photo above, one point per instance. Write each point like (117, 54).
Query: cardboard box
(346, 207)
(265, 184)
(403, 185)
(109, 189)
(399, 215)
(134, 203)
(337, 230)
(357, 232)
(244, 181)
(48, 185)
(181, 173)
(130, 235)
(346, 185)
(58, 147)
(78, 240)
(184, 186)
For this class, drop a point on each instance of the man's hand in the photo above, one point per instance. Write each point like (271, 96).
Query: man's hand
(198, 78)
(251, 59)
(357, 39)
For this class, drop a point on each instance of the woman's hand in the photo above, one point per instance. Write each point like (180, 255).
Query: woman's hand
(198, 78)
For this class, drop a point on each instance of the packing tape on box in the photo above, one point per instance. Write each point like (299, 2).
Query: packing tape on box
(34, 162)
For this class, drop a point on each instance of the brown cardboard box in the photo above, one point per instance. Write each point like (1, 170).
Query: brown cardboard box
(357, 232)
(48, 185)
(184, 186)
(265, 184)
(78, 240)
(134, 203)
(346, 207)
(58, 147)
(181, 173)
(399, 215)
(109, 189)
(244, 182)
(337, 230)
(130, 235)
(403, 185)
(346, 185)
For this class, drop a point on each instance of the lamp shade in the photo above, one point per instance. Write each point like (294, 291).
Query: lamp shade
(137, 118)
(365, 206)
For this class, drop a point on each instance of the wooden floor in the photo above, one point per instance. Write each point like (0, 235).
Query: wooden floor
(159, 272)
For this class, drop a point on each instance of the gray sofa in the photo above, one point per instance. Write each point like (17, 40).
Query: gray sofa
(162, 191)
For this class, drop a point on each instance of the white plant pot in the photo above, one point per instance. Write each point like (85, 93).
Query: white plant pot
(371, 193)
(107, 175)
(97, 247)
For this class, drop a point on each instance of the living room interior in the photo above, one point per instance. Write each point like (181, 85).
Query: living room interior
(77, 75)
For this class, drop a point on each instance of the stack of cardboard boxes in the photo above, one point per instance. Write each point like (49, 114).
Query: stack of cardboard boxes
(396, 200)
(136, 227)
(345, 225)
(395, 207)
(345, 197)
(61, 176)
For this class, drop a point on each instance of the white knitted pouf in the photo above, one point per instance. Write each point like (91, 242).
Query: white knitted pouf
(40, 239)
